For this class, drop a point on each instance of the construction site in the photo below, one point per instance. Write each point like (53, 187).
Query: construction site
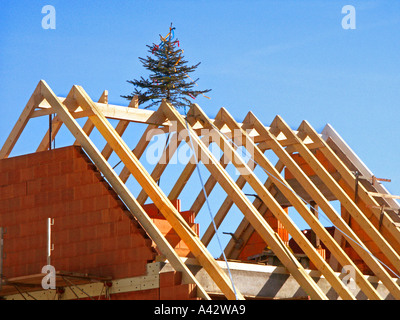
(70, 208)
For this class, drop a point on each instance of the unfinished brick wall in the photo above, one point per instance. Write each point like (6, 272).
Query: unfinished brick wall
(256, 245)
(91, 232)
(163, 225)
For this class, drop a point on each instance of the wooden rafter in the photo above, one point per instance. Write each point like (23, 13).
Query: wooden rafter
(12, 139)
(274, 206)
(243, 203)
(118, 185)
(370, 204)
(157, 195)
(344, 199)
(319, 198)
(359, 203)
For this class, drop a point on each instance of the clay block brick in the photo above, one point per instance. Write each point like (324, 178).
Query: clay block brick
(184, 252)
(13, 191)
(54, 169)
(89, 191)
(60, 182)
(4, 178)
(94, 245)
(123, 227)
(41, 199)
(153, 212)
(137, 240)
(163, 225)
(188, 216)
(75, 235)
(40, 171)
(137, 269)
(7, 165)
(33, 186)
(13, 177)
(26, 202)
(26, 174)
(60, 236)
(110, 244)
(169, 279)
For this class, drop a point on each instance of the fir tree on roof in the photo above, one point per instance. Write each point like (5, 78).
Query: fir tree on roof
(169, 76)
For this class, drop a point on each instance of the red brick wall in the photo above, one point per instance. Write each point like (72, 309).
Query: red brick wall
(166, 229)
(256, 245)
(92, 233)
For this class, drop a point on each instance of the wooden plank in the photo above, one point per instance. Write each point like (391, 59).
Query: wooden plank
(56, 125)
(277, 210)
(245, 229)
(120, 129)
(243, 203)
(55, 128)
(139, 150)
(221, 213)
(383, 195)
(89, 126)
(158, 197)
(209, 186)
(370, 206)
(317, 227)
(344, 199)
(134, 207)
(22, 121)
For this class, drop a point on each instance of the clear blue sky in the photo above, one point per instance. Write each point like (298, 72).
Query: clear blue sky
(291, 58)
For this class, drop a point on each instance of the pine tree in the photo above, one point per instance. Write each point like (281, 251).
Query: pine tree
(169, 76)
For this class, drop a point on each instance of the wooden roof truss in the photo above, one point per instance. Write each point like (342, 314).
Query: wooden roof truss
(368, 210)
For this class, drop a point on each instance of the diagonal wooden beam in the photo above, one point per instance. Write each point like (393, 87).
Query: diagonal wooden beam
(243, 203)
(341, 195)
(221, 213)
(158, 197)
(259, 157)
(368, 203)
(89, 126)
(134, 207)
(22, 121)
(56, 125)
(139, 149)
(320, 230)
(245, 230)
(183, 179)
(208, 186)
(354, 240)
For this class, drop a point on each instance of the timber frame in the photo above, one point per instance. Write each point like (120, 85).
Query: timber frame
(369, 205)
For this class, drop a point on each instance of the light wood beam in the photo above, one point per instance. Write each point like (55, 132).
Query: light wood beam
(364, 196)
(22, 121)
(344, 199)
(134, 207)
(314, 223)
(243, 203)
(275, 207)
(158, 197)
